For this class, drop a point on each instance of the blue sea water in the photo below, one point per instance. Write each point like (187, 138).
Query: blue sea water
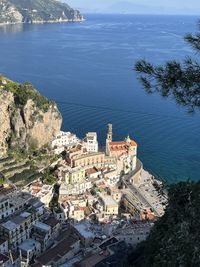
(88, 69)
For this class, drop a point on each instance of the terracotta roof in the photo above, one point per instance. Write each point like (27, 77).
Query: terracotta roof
(78, 208)
(133, 143)
(117, 143)
(35, 191)
(118, 148)
(122, 143)
(91, 170)
(37, 184)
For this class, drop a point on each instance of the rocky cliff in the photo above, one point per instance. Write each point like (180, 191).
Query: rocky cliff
(31, 11)
(27, 118)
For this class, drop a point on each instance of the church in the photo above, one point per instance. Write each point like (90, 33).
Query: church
(126, 150)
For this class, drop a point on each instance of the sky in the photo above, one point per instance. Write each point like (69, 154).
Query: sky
(138, 6)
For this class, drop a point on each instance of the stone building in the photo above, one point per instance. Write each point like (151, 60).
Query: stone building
(126, 149)
(73, 176)
(93, 159)
(110, 206)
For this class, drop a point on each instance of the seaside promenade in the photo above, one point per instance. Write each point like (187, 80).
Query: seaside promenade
(144, 201)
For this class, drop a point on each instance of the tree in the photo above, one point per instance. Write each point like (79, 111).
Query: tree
(179, 80)
(174, 239)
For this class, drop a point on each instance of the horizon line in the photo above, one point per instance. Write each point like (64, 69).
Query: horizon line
(139, 14)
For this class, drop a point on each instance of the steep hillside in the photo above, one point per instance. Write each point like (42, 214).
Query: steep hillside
(27, 118)
(174, 240)
(30, 11)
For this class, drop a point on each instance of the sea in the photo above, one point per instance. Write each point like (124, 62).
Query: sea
(88, 69)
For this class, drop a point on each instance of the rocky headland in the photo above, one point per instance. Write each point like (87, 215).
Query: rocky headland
(28, 119)
(36, 11)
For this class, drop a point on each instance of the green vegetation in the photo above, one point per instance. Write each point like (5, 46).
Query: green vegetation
(9, 164)
(48, 176)
(33, 145)
(31, 161)
(174, 240)
(15, 168)
(24, 92)
(25, 177)
(18, 153)
(36, 10)
(34, 155)
(2, 181)
(23, 115)
(180, 81)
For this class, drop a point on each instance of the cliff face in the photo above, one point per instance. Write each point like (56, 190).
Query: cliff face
(27, 119)
(30, 11)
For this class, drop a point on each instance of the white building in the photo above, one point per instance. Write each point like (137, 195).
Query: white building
(18, 228)
(43, 234)
(11, 200)
(111, 177)
(110, 206)
(30, 248)
(40, 191)
(75, 189)
(75, 212)
(5, 208)
(84, 232)
(63, 140)
(91, 142)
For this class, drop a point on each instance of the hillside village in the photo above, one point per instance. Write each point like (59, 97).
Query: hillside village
(103, 202)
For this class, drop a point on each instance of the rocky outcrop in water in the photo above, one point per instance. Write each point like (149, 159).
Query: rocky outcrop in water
(27, 118)
(36, 11)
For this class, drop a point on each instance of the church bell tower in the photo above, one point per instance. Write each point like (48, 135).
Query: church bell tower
(109, 133)
(109, 138)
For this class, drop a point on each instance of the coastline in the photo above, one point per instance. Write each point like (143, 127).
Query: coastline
(44, 22)
(149, 191)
